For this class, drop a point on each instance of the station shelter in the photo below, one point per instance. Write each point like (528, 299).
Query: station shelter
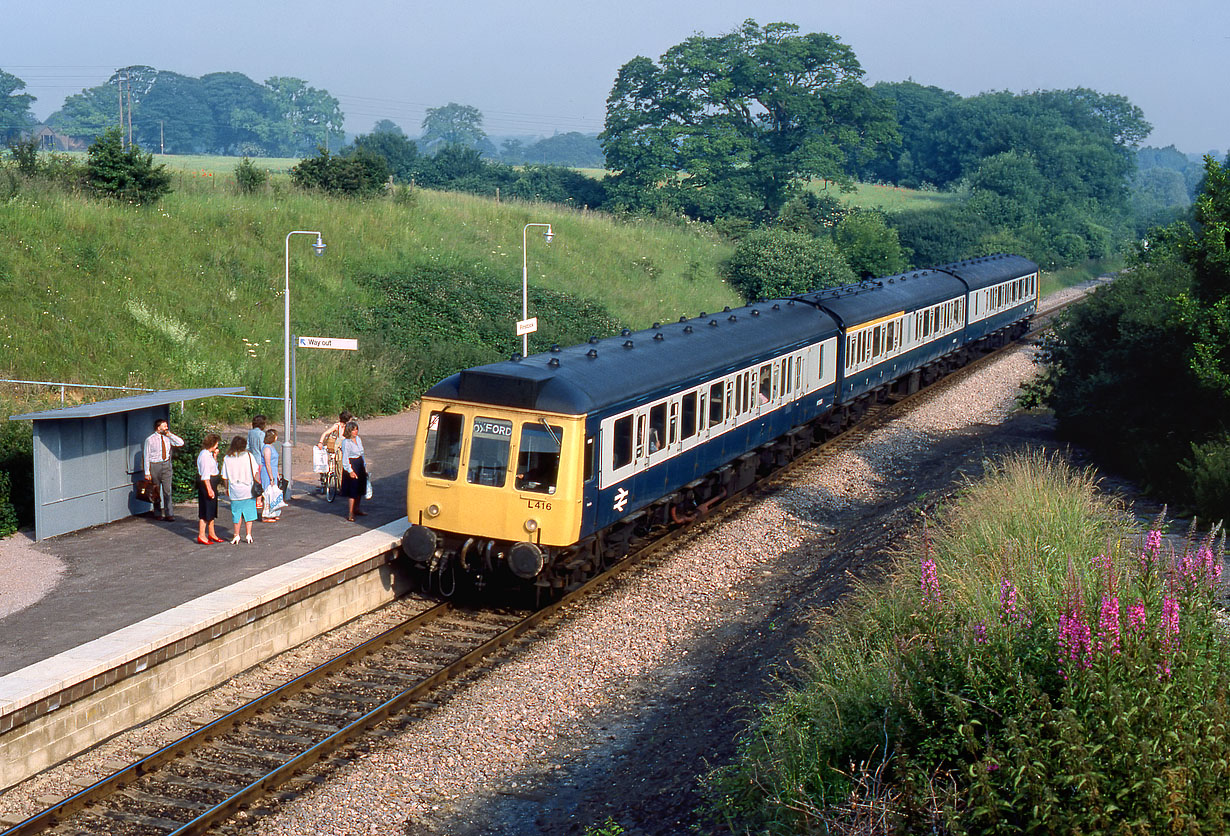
(88, 458)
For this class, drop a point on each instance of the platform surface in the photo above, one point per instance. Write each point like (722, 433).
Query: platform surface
(119, 574)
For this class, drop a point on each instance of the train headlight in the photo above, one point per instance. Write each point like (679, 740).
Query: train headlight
(433, 510)
(531, 526)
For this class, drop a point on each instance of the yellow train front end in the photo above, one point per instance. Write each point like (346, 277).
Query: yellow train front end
(496, 489)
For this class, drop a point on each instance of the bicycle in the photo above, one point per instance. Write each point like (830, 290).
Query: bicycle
(331, 479)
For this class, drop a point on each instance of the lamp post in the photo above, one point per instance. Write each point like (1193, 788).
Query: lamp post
(525, 282)
(319, 248)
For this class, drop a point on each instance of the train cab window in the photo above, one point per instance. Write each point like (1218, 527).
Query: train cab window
(590, 449)
(657, 428)
(490, 439)
(443, 447)
(687, 427)
(621, 443)
(538, 457)
(766, 384)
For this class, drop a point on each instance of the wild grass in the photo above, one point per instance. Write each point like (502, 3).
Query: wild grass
(1034, 666)
(189, 292)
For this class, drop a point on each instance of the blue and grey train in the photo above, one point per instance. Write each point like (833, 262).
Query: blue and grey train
(541, 470)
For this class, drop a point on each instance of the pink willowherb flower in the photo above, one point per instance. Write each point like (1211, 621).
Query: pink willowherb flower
(1075, 647)
(1152, 550)
(929, 581)
(1010, 611)
(1108, 625)
(1170, 633)
(1138, 618)
(980, 634)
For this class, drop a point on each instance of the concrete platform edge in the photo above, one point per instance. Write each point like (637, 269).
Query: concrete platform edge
(136, 672)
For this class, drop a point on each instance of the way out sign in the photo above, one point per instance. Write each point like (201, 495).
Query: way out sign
(329, 342)
(527, 326)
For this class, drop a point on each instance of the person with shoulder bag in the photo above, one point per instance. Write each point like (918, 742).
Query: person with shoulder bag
(354, 477)
(243, 485)
(275, 498)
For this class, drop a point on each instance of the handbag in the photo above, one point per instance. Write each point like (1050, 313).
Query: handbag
(148, 491)
(257, 490)
(283, 484)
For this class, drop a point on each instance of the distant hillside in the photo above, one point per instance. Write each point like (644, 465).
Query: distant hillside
(189, 293)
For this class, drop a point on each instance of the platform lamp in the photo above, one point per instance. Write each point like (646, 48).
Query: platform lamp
(525, 282)
(319, 248)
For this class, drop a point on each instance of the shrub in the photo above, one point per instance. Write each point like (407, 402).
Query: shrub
(8, 514)
(1209, 472)
(772, 263)
(1033, 670)
(249, 178)
(183, 473)
(17, 468)
(124, 173)
(869, 245)
(362, 174)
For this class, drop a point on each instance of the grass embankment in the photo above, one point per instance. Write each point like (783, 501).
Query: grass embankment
(1036, 667)
(188, 293)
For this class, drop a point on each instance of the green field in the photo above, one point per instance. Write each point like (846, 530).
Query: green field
(886, 198)
(188, 293)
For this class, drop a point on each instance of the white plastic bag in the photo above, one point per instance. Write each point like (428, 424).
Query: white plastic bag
(368, 493)
(274, 498)
(320, 460)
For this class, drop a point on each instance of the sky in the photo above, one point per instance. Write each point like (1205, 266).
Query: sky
(546, 67)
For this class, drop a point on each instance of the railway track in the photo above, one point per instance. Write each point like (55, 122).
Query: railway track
(196, 783)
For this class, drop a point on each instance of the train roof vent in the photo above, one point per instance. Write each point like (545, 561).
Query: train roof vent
(659, 336)
(683, 319)
(726, 309)
(713, 322)
(627, 343)
(555, 348)
(732, 317)
(657, 325)
(516, 358)
(687, 329)
(593, 340)
(777, 306)
(553, 362)
(592, 353)
(627, 332)
(755, 312)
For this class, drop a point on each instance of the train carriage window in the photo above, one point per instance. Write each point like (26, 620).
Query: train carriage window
(787, 376)
(442, 455)
(538, 457)
(657, 427)
(716, 392)
(673, 427)
(621, 443)
(640, 437)
(738, 405)
(688, 426)
(490, 439)
(875, 342)
(889, 334)
(590, 449)
(766, 384)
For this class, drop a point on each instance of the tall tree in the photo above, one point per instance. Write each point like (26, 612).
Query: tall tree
(453, 124)
(15, 115)
(736, 122)
(307, 117)
(175, 116)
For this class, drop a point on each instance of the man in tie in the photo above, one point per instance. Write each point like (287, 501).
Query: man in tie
(158, 464)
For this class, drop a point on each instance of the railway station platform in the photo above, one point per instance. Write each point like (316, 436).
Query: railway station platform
(143, 617)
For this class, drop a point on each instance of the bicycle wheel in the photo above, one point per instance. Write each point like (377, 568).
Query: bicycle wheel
(331, 486)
